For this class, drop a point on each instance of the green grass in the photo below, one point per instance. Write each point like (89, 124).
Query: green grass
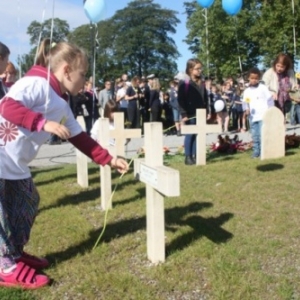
(232, 234)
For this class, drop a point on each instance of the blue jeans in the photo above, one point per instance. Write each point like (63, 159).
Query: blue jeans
(190, 140)
(256, 137)
(295, 112)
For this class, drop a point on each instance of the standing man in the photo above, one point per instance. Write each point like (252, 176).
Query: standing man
(104, 96)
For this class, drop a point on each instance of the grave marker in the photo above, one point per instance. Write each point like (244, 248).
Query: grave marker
(200, 129)
(160, 181)
(273, 134)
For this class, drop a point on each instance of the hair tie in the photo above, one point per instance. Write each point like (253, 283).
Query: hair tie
(53, 45)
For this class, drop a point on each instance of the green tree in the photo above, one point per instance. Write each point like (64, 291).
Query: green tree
(60, 31)
(273, 29)
(261, 30)
(230, 50)
(142, 41)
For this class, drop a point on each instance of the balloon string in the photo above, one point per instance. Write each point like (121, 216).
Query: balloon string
(294, 30)
(41, 31)
(48, 71)
(237, 44)
(19, 48)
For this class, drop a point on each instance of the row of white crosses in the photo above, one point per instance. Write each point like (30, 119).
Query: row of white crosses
(120, 134)
(160, 180)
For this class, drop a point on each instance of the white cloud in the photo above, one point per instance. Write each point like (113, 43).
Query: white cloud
(16, 16)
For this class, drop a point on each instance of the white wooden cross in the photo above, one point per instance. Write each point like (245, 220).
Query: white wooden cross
(201, 129)
(82, 161)
(160, 181)
(120, 134)
(105, 172)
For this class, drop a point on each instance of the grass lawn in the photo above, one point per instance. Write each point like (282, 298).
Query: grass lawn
(232, 234)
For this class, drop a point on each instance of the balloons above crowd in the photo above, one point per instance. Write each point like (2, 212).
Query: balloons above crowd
(94, 10)
(232, 7)
(205, 3)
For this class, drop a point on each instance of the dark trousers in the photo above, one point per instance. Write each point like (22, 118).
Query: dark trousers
(190, 140)
(133, 115)
(155, 114)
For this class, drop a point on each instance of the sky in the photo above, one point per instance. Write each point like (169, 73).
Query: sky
(16, 16)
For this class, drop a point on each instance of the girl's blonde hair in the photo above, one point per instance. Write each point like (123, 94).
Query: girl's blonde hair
(155, 85)
(54, 54)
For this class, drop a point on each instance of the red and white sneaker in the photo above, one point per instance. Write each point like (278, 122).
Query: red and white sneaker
(33, 261)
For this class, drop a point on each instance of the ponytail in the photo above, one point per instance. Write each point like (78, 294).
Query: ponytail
(53, 54)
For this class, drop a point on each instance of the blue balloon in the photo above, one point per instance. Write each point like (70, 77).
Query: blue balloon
(94, 10)
(205, 3)
(232, 7)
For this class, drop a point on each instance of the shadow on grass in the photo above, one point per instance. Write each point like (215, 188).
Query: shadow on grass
(217, 157)
(91, 172)
(289, 153)
(270, 167)
(88, 195)
(35, 170)
(140, 191)
(210, 228)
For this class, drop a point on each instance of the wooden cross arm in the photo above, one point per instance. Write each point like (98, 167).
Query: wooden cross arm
(126, 133)
(163, 179)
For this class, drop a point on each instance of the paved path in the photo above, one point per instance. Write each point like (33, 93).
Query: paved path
(52, 155)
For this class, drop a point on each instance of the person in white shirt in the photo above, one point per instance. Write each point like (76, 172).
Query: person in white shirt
(258, 99)
(33, 109)
(110, 108)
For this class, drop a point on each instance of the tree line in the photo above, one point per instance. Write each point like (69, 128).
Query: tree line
(138, 39)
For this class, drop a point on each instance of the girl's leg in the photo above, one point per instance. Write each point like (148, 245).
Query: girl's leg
(19, 201)
(23, 205)
(244, 123)
(226, 121)
(219, 119)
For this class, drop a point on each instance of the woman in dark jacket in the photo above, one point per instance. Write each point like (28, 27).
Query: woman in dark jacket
(192, 95)
(133, 94)
(154, 102)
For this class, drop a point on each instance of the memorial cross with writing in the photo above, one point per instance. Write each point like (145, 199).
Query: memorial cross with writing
(160, 181)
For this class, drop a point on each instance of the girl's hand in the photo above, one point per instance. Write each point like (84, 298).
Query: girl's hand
(57, 129)
(120, 164)
(274, 95)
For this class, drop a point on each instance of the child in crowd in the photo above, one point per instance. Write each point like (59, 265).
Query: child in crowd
(4, 55)
(258, 99)
(168, 114)
(33, 109)
(110, 108)
(238, 105)
(222, 116)
(9, 76)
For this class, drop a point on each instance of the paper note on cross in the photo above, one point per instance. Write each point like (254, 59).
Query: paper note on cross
(160, 181)
(200, 129)
(121, 134)
(82, 161)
